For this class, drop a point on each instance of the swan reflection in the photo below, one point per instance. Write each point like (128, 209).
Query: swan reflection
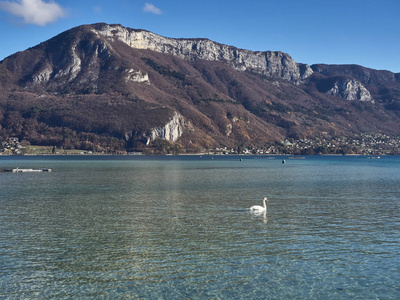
(260, 214)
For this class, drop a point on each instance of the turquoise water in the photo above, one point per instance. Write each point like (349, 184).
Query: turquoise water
(180, 228)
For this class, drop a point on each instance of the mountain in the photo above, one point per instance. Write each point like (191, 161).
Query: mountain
(107, 87)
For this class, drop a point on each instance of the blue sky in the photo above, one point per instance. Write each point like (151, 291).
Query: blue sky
(364, 32)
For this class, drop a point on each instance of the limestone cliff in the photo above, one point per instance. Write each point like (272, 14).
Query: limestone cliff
(350, 89)
(270, 63)
(171, 131)
(137, 76)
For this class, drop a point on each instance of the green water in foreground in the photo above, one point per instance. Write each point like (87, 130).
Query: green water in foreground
(180, 228)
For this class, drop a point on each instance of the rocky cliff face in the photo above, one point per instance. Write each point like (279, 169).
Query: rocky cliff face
(137, 76)
(350, 89)
(268, 63)
(382, 85)
(171, 131)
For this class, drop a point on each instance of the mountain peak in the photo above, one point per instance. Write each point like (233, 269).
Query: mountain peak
(105, 84)
(268, 63)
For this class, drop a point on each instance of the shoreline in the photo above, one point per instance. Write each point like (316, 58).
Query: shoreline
(297, 156)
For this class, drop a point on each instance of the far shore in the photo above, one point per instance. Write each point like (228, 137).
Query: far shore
(189, 154)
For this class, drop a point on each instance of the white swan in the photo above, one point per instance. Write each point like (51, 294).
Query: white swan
(258, 208)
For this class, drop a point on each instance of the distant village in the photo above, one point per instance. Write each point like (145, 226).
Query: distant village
(378, 144)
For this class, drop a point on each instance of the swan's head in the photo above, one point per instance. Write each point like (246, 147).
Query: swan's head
(265, 199)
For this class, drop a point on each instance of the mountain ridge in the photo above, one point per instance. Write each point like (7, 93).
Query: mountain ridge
(131, 84)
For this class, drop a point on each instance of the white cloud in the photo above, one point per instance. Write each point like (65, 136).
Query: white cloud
(97, 9)
(36, 12)
(150, 8)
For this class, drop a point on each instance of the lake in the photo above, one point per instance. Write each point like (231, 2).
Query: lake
(179, 227)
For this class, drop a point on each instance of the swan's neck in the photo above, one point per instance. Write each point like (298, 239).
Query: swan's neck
(265, 204)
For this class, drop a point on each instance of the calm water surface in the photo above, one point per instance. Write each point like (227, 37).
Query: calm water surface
(180, 228)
